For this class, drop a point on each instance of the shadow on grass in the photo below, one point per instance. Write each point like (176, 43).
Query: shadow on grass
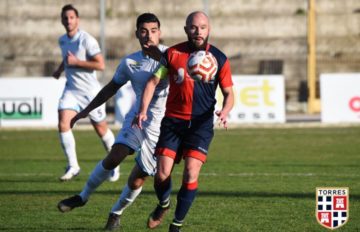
(240, 194)
(51, 229)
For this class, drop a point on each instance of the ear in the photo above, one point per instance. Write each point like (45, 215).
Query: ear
(136, 34)
(185, 29)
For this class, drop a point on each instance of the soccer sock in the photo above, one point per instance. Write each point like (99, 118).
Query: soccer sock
(163, 190)
(97, 177)
(127, 197)
(108, 140)
(68, 145)
(185, 199)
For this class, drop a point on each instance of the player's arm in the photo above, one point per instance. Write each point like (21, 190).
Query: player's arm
(149, 90)
(146, 98)
(95, 63)
(228, 104)
(154, 52)
(58, 71)
(105, 93)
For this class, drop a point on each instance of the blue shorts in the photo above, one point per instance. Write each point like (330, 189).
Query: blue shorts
(183, 138)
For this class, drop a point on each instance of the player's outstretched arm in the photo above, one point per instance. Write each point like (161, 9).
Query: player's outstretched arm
(105, 93)
(58, 71)
(145, 101)
(228, 104)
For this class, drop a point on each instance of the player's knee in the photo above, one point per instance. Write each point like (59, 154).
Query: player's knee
(100, 127)
(135, 184)
(161, 175)
(190, 175)
(63, 126)
(111, 161)
(117, 154)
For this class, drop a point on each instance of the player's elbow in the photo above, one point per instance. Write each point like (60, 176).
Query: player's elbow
(101, 67)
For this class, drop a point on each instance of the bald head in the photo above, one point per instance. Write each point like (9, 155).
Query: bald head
(197, 29)
(196, 14)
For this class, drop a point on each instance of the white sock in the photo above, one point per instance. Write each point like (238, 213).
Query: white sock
(68, 145)
(108, 140)
(97, 177)
(127, 197)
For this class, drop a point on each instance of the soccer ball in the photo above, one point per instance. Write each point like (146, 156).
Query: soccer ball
(202, 66)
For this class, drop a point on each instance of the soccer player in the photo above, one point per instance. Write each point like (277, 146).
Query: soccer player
(187, 128)
(136, 68)
(81, 58)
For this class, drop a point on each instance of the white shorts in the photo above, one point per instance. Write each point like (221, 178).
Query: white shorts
(143, 142)
(77, 101)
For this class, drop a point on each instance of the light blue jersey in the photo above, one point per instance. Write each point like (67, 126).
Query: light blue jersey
(83, 46)
(81, 84)
(138, 69)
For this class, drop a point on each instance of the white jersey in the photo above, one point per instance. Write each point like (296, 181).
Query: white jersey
(138, 68)
(83, 46)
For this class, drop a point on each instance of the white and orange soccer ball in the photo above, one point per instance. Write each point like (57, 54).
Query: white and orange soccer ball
(202, 66)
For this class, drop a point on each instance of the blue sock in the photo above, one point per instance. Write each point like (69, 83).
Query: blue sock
(163, 190)
(185, 199)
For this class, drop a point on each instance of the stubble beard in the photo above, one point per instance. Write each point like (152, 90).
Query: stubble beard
(198, 46)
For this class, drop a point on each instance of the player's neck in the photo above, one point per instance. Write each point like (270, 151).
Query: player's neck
(72, 33)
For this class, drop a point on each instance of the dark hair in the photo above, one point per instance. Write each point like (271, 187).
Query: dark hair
(147, 18)
(69, 7)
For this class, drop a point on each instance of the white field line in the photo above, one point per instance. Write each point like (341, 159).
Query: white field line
(240, 174)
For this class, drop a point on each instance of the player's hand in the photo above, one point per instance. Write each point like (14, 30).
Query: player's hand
(221, 118)
(71, 59)
(153, 51)
(56, 74)
(138, 120)
(80, 115)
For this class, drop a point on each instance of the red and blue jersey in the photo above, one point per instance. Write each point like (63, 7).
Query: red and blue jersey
(189, 99)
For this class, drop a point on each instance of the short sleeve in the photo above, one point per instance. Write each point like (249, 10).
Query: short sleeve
(120, 77)
(225, 79)
(92, 46)
(161, 72)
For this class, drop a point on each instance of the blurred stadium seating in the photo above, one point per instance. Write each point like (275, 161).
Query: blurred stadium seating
(259, 37)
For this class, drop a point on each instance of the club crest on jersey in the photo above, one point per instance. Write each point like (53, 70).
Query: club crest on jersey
(332, 206)
(179, 78)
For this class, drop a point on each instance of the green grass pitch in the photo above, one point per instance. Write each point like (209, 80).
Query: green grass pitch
(255, 179)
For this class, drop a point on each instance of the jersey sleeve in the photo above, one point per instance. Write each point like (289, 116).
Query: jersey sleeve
(61, 42)
(225, 79)
(92, 46)
(161, 72)
(120, 76)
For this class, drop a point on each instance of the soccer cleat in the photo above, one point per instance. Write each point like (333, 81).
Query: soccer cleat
(115, 174)
(70, 173)
(157, 216)
(113, 222)
(174, 228)
(70, 203)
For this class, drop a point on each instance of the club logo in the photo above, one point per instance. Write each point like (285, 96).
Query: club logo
(332, 206)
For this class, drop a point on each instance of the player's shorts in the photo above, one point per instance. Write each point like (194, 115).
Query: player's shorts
(143, 141)
(183, 138)
(77, 101)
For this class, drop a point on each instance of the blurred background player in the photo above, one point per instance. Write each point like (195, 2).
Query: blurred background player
(136, 68)
(187, 128)
(81, 58)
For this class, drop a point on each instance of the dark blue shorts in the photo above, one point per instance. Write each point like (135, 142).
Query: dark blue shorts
(183, 138)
